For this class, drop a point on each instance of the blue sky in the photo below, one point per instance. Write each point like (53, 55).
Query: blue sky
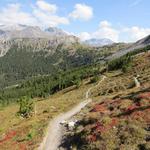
(119, 20)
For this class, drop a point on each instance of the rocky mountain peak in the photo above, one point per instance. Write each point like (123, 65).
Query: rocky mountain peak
(98, 42)
(55, 31)
(32, 36)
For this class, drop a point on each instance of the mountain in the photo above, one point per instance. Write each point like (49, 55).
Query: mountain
(27, 32)
(28, 51)
(142, 43)
(98, 42)
(8, 32)
(33, 37)
(53, 31)
(23, 31)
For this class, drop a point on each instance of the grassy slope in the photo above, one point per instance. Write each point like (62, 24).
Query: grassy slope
(119, 116)
(28, 133)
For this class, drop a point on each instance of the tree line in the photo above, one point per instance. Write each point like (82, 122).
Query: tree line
(44, 86)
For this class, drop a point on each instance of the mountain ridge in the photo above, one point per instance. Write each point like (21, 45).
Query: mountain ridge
(34, 37)
(132, 47)
(98, 42)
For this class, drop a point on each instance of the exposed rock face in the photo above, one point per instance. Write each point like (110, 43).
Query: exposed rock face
(33, 38)
(4, 47)
(53, 31)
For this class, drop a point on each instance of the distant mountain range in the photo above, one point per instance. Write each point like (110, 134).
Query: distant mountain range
(38, 39)
(53, 31)
(98, 42)
(24, 31)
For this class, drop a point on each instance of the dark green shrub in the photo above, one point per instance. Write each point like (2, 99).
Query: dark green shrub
(123, 63)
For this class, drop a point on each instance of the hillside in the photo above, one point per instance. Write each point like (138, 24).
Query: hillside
(118, 107)
(24, 63)
(119, 117)
(28, 133)
(74, 75)
(140, 44)
(28, 51)
(30, 57)
(49, 75)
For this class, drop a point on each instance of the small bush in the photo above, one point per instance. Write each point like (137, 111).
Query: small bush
(123, 63)
(26, 107)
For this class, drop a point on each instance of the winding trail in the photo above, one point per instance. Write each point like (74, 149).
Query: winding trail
(54, 134)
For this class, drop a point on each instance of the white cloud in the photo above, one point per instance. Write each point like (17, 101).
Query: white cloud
(12, 14)
(125, 34)
(82, 12)
(84, 36)
(104, 24)
(43, 14)
(51, 8)
(135, 33)
(46, 15)
(105, 30)
(48, 19)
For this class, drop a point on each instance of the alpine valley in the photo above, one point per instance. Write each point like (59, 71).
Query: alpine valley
(60, 92)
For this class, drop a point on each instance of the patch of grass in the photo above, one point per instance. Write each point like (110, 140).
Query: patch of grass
(31, 130)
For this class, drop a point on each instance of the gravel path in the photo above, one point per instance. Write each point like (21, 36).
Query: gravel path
(54, 134)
